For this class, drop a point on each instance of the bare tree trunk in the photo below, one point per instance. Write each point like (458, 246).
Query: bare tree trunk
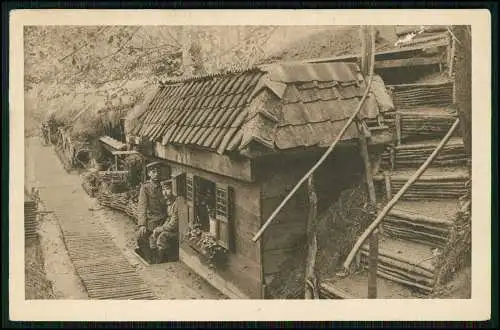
(311, 279)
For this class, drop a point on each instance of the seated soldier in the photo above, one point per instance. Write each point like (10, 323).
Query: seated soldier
(165, 236)
(151, 212)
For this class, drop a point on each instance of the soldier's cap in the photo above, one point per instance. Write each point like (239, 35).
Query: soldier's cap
(166, 184)
(155, 164)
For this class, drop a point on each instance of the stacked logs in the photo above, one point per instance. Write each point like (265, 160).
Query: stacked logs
(431, 185)
(398, 267)
(431, 124)
(30, 223)
(418, 122)
(422, 94)
(417, 227)
(415, 154)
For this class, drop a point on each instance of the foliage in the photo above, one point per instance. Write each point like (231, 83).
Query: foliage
(206, 244)
(457, 252)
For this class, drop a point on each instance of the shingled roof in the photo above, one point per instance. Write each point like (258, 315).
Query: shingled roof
(278, 106)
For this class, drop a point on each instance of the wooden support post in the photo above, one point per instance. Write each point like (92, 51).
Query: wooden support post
(388, 186)
(363, 146)
(392, 152)
(373, 265)
(398, 128)
(311, 280)
(368, 53)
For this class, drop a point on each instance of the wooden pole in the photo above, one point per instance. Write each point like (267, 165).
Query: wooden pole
(311, 280)
(373, 266)
(368, 52)
(388, 185)
(396, 198)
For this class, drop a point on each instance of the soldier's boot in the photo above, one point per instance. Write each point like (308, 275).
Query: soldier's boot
(160, 256)
(148, 255)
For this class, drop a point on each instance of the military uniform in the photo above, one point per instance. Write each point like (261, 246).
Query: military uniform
(166, 235)
(151, 212)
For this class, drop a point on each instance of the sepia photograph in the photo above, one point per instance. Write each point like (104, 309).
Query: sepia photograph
(248, 162)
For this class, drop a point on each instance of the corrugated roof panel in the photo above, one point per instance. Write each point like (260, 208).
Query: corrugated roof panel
(222, 87)
(218, 138)
(247, 78)
(156, 99)
(185, 135)
(217, 85)
(204, 88)
(168, 133)
(185, 90)
(191, 135)
(256, 77)
(198, 135)
(201, 120)
(180, 133)
(210, 89)
(211, 137)
(238, 120)
(204, 138)
(195, 111)
(224, 120)
(226, 139)
(233, 87)
(235, 141)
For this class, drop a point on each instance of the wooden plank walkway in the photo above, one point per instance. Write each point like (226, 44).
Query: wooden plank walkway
(104, 271)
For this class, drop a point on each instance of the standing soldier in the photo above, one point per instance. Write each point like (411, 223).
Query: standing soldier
(151, 211)
(165, 236)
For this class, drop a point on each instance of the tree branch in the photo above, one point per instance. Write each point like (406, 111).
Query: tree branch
(84, 45)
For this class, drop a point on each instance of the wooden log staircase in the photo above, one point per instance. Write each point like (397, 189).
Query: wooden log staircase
(417, 227)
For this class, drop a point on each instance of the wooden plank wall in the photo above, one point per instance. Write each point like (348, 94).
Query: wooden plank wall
(244, 266)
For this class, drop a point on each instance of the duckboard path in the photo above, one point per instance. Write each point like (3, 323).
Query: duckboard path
(101, 266)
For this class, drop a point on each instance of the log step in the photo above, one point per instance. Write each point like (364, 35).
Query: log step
(414, 154)
(435, 183)
(403, 261)
(427, 222)
(356, 287)
(421, 122)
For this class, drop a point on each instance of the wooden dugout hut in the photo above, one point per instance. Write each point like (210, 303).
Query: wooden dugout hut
(246, 138)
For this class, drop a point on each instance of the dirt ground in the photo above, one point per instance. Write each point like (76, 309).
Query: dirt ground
(36, 284)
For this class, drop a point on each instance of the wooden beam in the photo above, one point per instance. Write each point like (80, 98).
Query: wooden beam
(406, 62)
(237, 168)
